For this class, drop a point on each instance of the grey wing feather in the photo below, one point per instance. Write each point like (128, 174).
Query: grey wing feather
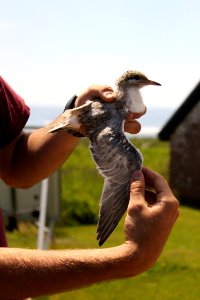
(113, 164)
(113, 205)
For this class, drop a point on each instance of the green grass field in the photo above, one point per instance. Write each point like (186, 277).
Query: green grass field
(176, 275)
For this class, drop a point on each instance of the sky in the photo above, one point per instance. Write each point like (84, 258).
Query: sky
(51, 50)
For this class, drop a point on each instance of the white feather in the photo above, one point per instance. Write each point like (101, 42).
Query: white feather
(135, 102)
(74, 122)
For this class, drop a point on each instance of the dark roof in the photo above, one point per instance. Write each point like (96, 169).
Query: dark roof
(180, 114)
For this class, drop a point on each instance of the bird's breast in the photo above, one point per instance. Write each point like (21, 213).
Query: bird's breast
(101, 118)
(113, 148)
(134, 101)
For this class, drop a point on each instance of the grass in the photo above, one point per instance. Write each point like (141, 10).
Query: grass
(155, 153)
(176, 275)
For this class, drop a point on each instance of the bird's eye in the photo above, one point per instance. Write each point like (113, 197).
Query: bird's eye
(136, 77)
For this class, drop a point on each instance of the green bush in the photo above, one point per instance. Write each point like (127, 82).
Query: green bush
(78, 212)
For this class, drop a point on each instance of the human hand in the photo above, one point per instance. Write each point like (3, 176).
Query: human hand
(107, 94)
(131, 124)
(150, 217)
(104, 92)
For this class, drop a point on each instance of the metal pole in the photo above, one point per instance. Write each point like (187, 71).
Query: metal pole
(43, 213)
(49, 234)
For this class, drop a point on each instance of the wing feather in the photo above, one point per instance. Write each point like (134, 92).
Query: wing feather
(112, 208)
(114, 165)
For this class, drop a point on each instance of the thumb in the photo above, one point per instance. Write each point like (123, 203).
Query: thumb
(108, 95)
(137, 188)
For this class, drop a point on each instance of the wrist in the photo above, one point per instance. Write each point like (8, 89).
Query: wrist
(134, 260)
(126, 261)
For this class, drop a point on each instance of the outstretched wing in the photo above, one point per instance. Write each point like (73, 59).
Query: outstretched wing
(113, 162)
(71, 119)
(113, 205)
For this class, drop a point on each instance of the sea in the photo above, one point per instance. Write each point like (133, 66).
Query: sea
(152, 122)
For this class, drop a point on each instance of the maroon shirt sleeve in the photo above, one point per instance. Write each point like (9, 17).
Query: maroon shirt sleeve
(14, 114)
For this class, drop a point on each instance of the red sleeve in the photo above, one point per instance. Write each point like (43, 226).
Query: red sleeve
(13, 114)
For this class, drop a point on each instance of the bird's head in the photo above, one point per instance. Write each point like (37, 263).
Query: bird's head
(129, 85)
(134, 79)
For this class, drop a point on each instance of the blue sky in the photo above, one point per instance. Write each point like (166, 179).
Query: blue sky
(50, 50)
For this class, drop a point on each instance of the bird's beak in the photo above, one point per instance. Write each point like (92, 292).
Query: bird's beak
(151, 82)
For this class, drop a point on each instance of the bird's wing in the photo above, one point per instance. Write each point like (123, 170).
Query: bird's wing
(71, 119)
(112, 162)
(113, 205)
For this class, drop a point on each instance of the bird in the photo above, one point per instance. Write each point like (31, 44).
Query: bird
(115, 156)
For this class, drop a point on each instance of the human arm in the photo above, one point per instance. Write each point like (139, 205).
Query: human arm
(152, 212)
(147, 227)
(34, 156)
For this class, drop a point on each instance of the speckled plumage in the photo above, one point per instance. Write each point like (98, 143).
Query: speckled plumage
(114, 155)
(122, 82)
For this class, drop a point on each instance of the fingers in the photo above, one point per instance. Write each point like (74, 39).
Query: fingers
(133, 116)
(164, 195)
(104, 92)
(150, 197)
(137, 187)
(132, 127)
(156, 181)
(137, 191)
(107, 94)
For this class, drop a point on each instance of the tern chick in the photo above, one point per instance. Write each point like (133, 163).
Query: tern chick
(116, 158)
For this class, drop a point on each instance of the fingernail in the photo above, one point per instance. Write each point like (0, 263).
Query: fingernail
(136, 175)
(131, 116)
(108, 94)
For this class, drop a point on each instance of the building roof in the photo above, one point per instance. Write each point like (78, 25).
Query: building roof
(180, 114)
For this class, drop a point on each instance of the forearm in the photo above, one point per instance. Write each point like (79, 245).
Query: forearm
(33, 273)
(35, 156)
(45, 154)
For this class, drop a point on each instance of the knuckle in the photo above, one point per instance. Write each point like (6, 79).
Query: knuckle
(138, 207)
(176, 204)
(135, 208)
(136, 186)
(172, 204)
(94, 88)
(162, 178)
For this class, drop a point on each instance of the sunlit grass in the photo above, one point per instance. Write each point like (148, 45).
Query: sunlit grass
(176, 275)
